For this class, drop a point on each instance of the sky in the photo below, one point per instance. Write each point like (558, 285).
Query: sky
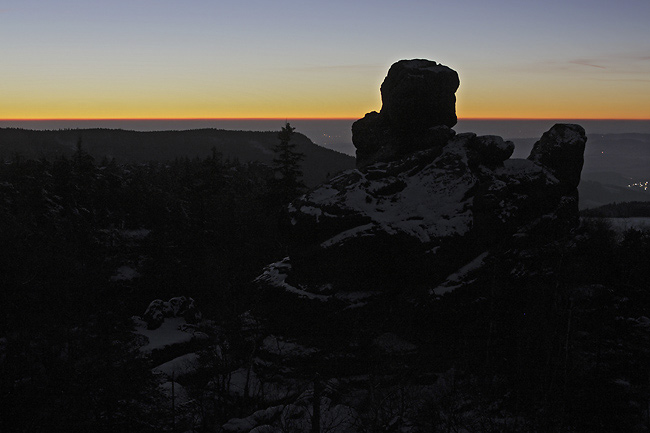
(573, 59)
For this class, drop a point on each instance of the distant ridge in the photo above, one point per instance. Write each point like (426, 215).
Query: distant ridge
(158, 146)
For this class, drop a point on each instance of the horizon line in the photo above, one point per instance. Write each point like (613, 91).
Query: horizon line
(291, 119)
(176, 118)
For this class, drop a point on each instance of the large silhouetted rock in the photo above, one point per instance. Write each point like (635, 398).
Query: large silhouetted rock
(419, 107)
(419, 94)
(415, 221)
(425, 207)
(562, 150)
(405, 259)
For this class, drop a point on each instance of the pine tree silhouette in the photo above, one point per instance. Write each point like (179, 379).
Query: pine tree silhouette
(287, 182)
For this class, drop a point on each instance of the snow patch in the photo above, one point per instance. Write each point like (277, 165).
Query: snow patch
(456, 279)
(310, 210)
(276, 274)
(347, 234)
(169, 333)
(433, 203)
(177, 390)
(178, 366)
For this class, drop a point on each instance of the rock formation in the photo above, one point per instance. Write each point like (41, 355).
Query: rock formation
(179, 306)
(431, 201)
(419, 218)
(419, 94)
(436, 243)
(561, 149)
(419, 107)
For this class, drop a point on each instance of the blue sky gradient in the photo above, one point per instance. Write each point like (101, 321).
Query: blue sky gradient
(162, 58)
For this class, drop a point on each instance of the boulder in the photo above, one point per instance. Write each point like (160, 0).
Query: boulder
(489, 150)
(419, 94)
(158, 310)
(561, 149)
(156, 313)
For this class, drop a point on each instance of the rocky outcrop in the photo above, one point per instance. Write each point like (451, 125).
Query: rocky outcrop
(419, 107)
(561, 149)
(390, 266)
(426, 205)
(416, 220)
(180, 306)
(419, 94)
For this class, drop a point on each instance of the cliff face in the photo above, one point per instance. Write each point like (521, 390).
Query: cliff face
(433, 200)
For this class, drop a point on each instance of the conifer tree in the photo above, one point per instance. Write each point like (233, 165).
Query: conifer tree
(287, 182)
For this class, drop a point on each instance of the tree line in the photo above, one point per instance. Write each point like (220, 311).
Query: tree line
(200, 227)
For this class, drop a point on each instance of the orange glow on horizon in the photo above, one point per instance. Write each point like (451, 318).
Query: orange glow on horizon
(641, 119)
(281, 117)
(290, 118)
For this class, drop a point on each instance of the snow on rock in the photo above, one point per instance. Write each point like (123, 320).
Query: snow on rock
(391, 221)
(424, 203)
(172, 331)
(311, 211)
(179, 392)
(459, 278)
(275, 274)
(429, 203)
(178, 366)
(363, 230)
(180, 306)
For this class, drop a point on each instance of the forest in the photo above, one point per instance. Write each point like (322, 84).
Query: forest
(200, 227)
(576, 360)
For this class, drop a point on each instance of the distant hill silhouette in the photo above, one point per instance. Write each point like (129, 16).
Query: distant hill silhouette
(622, 209)
(134, 146)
